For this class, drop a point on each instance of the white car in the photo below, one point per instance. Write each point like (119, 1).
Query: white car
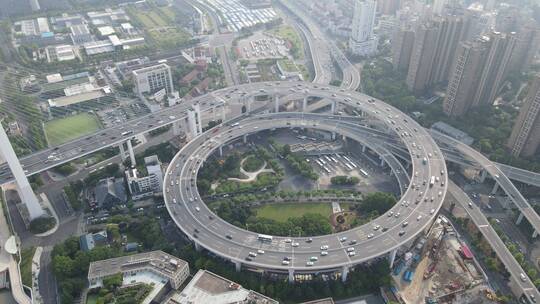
(294, 244)
(285, 262)
(260, 251)
(288, 241)
(252, 254)
(432, 211)
(376, 227)
(198, 209)
(313, 258)
(324, 247)
(350, 249)
(324, 253)
(370, 235)
(352, 253)
(419, 217)
(309, 263)
(343, 239)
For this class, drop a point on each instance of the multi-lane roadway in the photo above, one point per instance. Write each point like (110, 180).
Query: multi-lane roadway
(417, 207)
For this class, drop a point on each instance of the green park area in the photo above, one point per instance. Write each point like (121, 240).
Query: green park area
(287, 65)
(282, 212)
(62, 130)
(160, 25)
(288, 33)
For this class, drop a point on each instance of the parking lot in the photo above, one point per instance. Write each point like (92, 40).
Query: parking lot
(262, 46)
(115, 116)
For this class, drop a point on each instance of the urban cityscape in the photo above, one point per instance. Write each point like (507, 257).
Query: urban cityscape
(269, 151)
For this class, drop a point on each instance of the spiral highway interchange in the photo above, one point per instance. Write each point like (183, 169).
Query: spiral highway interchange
(416, 209)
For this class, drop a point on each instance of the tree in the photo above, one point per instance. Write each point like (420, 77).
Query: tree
(113, 281)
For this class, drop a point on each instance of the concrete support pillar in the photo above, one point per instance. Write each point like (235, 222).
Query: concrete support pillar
(244, 138)
(408, 165)
(344, 273)
(276, 104)
(392, 257)
(304, 104)
(382, 161)
(333, 107)
(535, 234)
(131, 153)
(333, 135)
(223, 114)
(197, 246)
(291, 276)
(520, 218)
(344, 139)
(483, 175)
(249, 102)
(495, 188)
(194, 120)
(237, 266)
(177, 128)
(364, 149)
(220, 151)
(27, 195)
(122, 151)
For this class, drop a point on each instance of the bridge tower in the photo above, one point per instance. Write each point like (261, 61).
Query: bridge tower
(27, 195)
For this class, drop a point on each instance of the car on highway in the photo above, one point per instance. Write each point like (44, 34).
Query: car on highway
(401, 233)
(352, 253)
(260, 251)
(284, 262)
(324, 253)
(324, 247)
(309, 263)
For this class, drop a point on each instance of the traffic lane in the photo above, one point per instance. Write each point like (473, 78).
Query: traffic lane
(496, 243)
(190, 169)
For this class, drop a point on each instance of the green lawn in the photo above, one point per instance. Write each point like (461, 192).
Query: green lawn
(282, 212)
(65, 129)
(26, 265)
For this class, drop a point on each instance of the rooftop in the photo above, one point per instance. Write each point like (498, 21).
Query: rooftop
(163, 263)
(207, 287)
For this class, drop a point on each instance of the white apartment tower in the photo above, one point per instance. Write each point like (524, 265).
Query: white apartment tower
(363, 42)
(152, 79)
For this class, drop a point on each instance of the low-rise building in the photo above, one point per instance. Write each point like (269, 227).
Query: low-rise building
(207, 287)
(88, 241)
(80, 34)
(109, 192)
(145, 186)
(157, 267)
(63, 52)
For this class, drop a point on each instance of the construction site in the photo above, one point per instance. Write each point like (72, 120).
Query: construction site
(440, 268)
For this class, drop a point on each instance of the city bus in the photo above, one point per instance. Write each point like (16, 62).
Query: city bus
(264, 238)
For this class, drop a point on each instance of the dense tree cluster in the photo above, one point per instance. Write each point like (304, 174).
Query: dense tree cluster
(344, 180)
(379, 202)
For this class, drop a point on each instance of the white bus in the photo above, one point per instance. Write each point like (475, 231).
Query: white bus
(348, 166)
(264, 238)
(364, 173)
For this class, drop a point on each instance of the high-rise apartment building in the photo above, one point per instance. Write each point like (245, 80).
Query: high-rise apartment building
(402, 46)
(421, 62)
(464, 80)
(433, 52)
(388, 7)
(496, 67)
(153, 78)
(478, 72)
(527, 45)
(525, 137)
(363, 42)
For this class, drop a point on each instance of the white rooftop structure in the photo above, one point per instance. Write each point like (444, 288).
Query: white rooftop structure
(207, 287)
(106, 30)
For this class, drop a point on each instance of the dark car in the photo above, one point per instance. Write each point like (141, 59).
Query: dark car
(229, 236)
